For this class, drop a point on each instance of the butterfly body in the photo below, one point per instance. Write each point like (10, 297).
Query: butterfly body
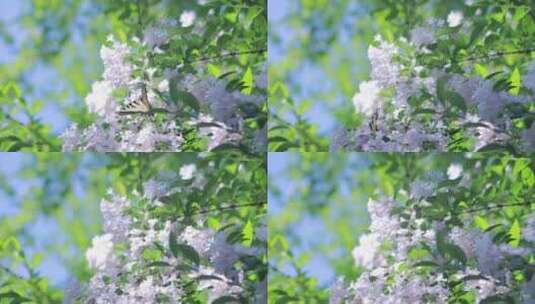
(138, 106)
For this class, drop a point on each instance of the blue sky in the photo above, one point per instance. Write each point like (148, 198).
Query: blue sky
(10, 163)
(43, 78)
(310, 226)
(43, 228)
(311, 229)
(44, 231)
(310, 77)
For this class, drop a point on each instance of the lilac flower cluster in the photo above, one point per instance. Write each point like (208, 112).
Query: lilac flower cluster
(401, 89)
(401, 245)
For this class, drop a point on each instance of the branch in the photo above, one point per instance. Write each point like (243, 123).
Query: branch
(222, 208)
(498, 54)
(498, 206)
(10, 272)
(231, 54)
(139, 19)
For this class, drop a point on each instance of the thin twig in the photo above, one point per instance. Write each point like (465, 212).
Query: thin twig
(498, 54)
(226, 55)
(495, 207)
(227, 207)
(9, 271)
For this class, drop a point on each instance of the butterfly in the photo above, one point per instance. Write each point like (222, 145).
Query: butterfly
(138, 106)
(373, 122)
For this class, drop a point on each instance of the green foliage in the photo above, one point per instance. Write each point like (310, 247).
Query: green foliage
(330, 39)
(66, 189)
(67, 45)
(334, 189)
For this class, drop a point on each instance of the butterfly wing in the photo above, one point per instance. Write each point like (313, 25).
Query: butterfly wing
(138, 106)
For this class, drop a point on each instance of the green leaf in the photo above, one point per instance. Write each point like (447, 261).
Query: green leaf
(514, 232)
(449, 250)
(187, 98)
(248, 234)
(515, 81)
(426, 264)
(158, 264)
(213, 70)
(15, 297)
(248, 82)
(481, 222)
(441, 89)
(456, 100)
(183, 250)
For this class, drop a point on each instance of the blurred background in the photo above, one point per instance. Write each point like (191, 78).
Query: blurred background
(50, 51)
(49, 205)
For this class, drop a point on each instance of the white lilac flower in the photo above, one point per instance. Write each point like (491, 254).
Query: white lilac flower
(154, 189)
(465, 87)
(187, 18)
(261, 79)
(100, 255)
(384, 70)
(70, 137)
(488, 255)
(116, 70)
(465, 240)
(528, 233)
(155, 36)
(201, 240)
(455, 171)
(367, 100)
(367, 253)
(528, 291)
(118, 279)
(422, 189)
(115, 221)
(484, 288)
(455, 18)
(528, 80)
(338, 292)
(422, 36)
(528, 139)
(100, 101)
(489, 102)
(187, 171)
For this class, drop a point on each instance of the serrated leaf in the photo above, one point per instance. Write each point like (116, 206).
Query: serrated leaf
(248, 233)
(514, 232)
(248, 81)
(515, 81)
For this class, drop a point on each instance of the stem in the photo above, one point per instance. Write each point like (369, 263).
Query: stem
(10, 272)
(227, 207)
(231, 54)
(139, 18)
(140, 173)
(498, 206)
(498, 54)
